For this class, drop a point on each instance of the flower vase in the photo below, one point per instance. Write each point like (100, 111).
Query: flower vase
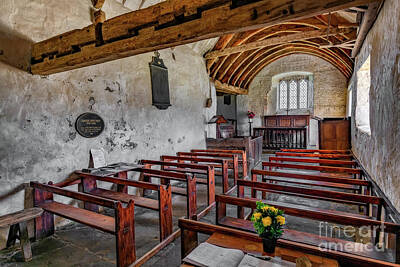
(269, 245)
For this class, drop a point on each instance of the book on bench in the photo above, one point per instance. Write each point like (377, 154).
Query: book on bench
(208, 255)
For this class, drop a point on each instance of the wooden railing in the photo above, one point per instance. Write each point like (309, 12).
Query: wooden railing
(276, 138)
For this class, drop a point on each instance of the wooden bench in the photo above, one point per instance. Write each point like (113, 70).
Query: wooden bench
(321, 151)
(233, 160)
(17, 222)
(122, 225)
(194, 169)
(240, 153)
(220, 163)
(353, 253)
(353, 171)
(310, 155)
(356, 185)
(318, 161)
(189, 241)
(163, 204)
(166, 177)
(325, 195)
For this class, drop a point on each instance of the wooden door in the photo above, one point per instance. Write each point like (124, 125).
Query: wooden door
(335, 134)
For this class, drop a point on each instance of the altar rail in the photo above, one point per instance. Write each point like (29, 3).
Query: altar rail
(277, 138)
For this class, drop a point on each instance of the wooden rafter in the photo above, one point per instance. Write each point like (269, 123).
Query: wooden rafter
(168, 24)
(275, 41)
(240, 61)
(229, 89)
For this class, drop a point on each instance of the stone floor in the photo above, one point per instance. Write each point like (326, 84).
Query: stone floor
(78, 245)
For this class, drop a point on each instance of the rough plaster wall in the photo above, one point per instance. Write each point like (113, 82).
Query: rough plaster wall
(329, 87)
(37, 114)
(242, 120)
(379, 152)
(228, 111)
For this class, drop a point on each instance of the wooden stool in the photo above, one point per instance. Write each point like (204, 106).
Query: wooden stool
(18, 229)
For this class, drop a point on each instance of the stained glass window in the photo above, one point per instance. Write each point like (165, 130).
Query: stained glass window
(303, 93)
(292, 94)
(283, 95)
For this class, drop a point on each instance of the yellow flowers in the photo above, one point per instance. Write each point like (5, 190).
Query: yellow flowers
(266, 221)
(257, 215)
(280, 219)
(274, 210)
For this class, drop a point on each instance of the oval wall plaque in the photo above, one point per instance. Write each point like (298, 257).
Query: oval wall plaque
(89, 125)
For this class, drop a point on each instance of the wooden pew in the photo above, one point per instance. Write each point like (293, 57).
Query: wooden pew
(311, 155)
(17, 222)
(166, 178)
(363, 255)
(163, 204)
(213, 162)
(315, 180)
(233, 159)
(122, 225)
(355, 172)
(325, 195)
(321, 151)
(241, 153)
(318, 161)
(189, 241)
(194, 169)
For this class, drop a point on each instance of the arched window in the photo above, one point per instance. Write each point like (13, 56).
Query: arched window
(293, 93)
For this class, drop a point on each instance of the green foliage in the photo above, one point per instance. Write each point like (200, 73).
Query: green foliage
(268, 221)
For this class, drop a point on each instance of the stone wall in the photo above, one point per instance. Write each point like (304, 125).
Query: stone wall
(329, 85)
(38, 140)
(378, 150)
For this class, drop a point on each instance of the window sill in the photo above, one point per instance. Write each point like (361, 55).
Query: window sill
(364, 129)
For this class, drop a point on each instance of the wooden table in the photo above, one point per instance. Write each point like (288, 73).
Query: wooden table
(285, 254)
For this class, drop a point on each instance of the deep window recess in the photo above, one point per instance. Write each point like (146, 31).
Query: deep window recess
(293, 93)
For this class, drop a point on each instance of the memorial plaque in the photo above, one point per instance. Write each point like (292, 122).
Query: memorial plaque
(89, 125)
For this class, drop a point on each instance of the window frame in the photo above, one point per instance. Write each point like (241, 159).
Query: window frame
(297, 79)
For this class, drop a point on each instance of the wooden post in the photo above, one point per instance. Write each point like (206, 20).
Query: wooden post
(240, 209)
(225, 175)
(191, 197)
(244, 164)
(165, 209)
(235, 169)
(125, 234)
(122, 188)
(88, 184)
(189, 241)
(211, 185)
(44, 225)
(397, 247)
(24, 239)
(220, 211)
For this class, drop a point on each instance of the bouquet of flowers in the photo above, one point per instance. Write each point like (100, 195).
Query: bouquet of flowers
(250, 114)
(268, 222)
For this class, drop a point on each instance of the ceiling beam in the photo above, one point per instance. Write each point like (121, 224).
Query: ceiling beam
(368, 20)
(229, 89)
(276, 41)
(168, 24)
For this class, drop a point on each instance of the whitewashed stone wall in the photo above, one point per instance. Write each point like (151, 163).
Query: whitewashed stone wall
(379, 150)
(38, 140)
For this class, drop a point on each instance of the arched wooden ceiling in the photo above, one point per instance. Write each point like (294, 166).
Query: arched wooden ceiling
(237, 58)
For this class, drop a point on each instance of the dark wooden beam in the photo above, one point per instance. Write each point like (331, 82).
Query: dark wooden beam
(368, 20)
(168, 24)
